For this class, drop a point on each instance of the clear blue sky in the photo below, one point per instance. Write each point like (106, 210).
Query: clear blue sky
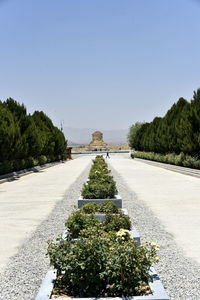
(98, 63)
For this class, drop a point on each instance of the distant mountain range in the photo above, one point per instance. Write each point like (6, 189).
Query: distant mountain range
(83, 136)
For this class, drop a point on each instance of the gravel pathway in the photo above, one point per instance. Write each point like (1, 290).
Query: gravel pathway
(179, 275)
(25, 271)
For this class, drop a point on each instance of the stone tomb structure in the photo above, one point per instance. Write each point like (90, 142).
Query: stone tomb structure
(97, 142)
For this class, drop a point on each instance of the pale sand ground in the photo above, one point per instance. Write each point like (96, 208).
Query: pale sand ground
(173, 197)
(25, 203)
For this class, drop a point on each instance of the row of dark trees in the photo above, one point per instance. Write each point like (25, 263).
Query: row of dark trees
(178, 131)
(24, 136)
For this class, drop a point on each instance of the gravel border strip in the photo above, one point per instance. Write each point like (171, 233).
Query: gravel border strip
(180, 275)
(23, 276)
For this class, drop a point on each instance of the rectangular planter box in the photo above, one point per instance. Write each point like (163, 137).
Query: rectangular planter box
(117, 200)
(158, 291)
(101, 216)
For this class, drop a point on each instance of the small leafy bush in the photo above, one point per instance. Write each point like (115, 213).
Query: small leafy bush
(79, 221)
(108, 207)
(102, 264)
(42, 160)
(30, 162)
(95, 190)
(117, 222)
(90, 208)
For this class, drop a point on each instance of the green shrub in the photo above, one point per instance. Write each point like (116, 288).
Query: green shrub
(171, 158)
(30, 162)
(35, 162)
(95, 190)
(179, 159)
(101, 264)
(42, 160)
(6, 167)
(90, 208)
(79, 221)
(108, 207)
(117, 222)
(17, 165)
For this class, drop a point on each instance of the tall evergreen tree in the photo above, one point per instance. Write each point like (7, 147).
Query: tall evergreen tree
(133, 133)
(178, 131)
(8, 133)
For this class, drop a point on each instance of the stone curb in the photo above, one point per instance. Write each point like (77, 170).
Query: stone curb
(117, 200)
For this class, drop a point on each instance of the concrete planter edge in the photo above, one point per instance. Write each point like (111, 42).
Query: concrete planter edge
(117, 200)
(156, 286)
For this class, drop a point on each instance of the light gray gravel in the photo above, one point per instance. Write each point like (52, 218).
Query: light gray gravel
(179, 275)
(25, 271)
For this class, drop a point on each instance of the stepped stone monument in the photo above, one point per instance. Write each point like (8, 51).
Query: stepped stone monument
(97, 141)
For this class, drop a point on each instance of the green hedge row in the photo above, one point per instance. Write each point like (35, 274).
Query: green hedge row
(171, 158)
(100, 259)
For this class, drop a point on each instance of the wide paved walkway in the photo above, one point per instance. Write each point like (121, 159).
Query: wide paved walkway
(173, 197)
(25, 203)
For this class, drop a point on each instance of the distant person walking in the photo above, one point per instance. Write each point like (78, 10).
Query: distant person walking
(107, 155)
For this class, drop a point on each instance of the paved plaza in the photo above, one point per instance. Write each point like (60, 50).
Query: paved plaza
(173, 197)
(26, 202)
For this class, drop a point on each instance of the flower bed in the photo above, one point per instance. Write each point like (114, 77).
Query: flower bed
(96, 261)
(100, 186)
(155, 285)
(105, 214)
(100, 264)
(79, 221)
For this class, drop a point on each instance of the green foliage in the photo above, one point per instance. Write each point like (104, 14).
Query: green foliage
(101, 184)
(108, 207)
(27, 140)
(6, 167)
(42, 160)
(172, 158)
(133, 133)
(116, 222)
(79, 221)
(9, 132)
(101, 264)
(90, 208)
(85, 218)
(95, 190)
(178, 131)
